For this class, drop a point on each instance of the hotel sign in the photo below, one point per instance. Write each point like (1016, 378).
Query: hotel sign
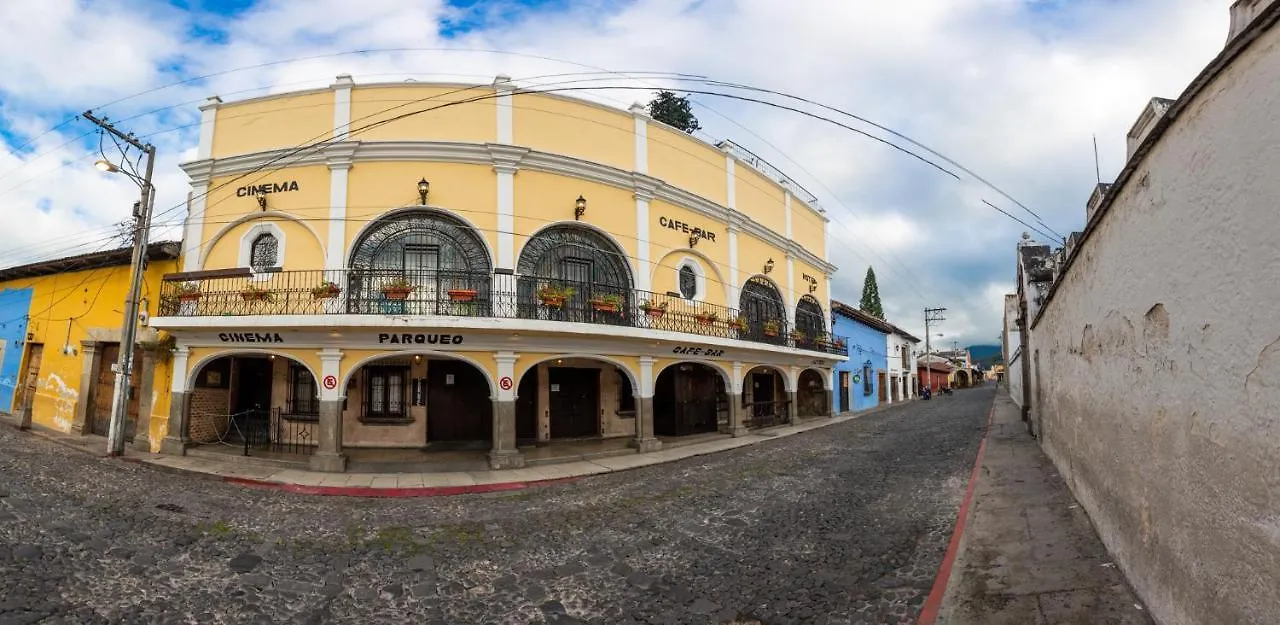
(267, 187)
(672, 224)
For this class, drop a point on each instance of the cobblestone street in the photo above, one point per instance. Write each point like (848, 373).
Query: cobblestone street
(844, 524)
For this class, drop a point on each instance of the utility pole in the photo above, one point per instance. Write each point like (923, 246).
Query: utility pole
(129, 330)
(931, 315)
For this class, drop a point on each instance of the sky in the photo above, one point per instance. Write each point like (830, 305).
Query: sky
(1012, 90)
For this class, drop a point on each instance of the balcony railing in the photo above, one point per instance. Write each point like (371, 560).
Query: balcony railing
(491, 295)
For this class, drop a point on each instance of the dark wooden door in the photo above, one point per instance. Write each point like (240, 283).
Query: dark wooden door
(253, 385)
(104, 391)
(686, 400)
(762, 387)
(458, 405)
(881, 386)
(527, 406)
(844, 391)
(574, 402)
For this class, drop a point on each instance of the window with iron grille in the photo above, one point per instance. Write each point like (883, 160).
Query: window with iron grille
(302, 392)
(384, 393)
(866, 380)
(688, 282)
(265, 252)
(626, 395)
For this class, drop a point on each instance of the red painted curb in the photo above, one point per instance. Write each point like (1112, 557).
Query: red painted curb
(933, 604)
(369, 491)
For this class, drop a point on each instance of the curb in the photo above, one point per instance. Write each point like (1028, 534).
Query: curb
(369, 491)
(933, 603)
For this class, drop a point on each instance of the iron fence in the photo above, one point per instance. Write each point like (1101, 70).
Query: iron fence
(466, 294)
(273, 431)
(763, 414)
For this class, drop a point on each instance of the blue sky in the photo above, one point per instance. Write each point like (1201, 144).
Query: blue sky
(1012, 89)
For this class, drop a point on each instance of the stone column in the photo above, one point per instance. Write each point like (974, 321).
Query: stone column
(89, 362)
(737, 416)
(793, 408)
(328, 456)
(831, 407)
(645, 440)
(146, 388)
(504, 454)
(175, 441)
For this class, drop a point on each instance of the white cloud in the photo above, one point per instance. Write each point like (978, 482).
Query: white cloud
(1014, 95)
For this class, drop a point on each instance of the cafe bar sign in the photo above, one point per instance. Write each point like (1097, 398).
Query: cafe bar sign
(680, 226)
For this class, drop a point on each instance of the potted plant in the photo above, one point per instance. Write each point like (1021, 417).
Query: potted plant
(706, 318)
(798, 335)
(770, 327)
(326, 290)
(839, 343)
(553, 296)
(398, 288)
(252, 293)
(739, 323)
(462, 295)
(653, 310)
(607, 303)
(188, 292)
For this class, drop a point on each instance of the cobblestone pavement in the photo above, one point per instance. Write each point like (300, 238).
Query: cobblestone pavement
(844, 524)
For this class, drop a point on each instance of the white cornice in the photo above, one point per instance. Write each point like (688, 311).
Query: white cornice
(508, 156)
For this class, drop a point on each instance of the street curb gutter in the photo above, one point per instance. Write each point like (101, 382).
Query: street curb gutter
(366, 491)
(933, 603)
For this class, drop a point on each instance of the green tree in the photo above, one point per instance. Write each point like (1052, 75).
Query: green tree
(674, 111)
(871, 296)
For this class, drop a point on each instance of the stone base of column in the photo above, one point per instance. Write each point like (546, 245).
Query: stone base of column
(739, 431)
(328, 463)
(142, 443)
(173, 446)
(499, 460)
(24, 418)
(646, 445)
(77, 428)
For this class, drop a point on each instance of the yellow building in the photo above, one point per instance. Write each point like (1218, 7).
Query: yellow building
(60, 324)
(423, 267)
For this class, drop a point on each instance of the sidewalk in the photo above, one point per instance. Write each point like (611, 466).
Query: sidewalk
(1029, 555)
(255, 473)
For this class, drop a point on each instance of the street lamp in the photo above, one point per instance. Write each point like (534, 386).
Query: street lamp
(129, 330)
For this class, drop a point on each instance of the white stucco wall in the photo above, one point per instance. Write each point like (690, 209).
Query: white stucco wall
(1157, 388)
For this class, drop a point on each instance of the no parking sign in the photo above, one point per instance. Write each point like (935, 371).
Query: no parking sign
(330, 382)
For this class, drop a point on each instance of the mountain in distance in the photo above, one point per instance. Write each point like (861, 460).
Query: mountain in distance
(984, 356)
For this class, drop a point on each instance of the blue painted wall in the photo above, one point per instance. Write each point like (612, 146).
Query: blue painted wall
(865, 344)
(15, 305)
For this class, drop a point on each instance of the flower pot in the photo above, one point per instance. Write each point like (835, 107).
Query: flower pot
(252, 296)
(768, 332)
(396, 293)
(330, 294)
(190, 297)
(706, 321)
(655, 312)
(552, 301)
(462, 295)
(600, 306)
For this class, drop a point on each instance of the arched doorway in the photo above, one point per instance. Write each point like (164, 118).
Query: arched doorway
(689, 398)
(811, 395)
(765, 400)
(962, 378)
(570, 397)
(440, 259)
(417, 401)
(253, 403)
(761, 304)
(570, 272)
(811, 325)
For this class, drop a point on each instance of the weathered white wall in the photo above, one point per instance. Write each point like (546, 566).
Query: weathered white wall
(1158, 384)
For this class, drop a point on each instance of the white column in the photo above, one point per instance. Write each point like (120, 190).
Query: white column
(208, 118)
(502, 85)
(646, 376)
(342, 107)
(330, 365)
(180, 355)
(731, 181)
(786, 210)
(506, 369)
(506, 162)
(731, 290)
(791, 289)
(335, 255)
(193, 229)
(737, 378)
(642, 137)
(644, 268)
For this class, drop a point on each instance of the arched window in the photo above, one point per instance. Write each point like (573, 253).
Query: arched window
(435, 252)
(810, 319)
(766, 315)
(688, 282)
(264, 253)
(581, 262)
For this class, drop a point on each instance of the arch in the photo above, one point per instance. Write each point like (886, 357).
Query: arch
(392, 226)
(707, 270)
(810, 318)
(760, 301)
(252, 415)
(690, 397)
(824, 376)
(573, 232)
(811, 394)
(725, 375)
(568, 400)
(200, 364)
(631, 375)
(962, 378)
(208, 247)
(346, 376)
(786, 379)
(586, 264)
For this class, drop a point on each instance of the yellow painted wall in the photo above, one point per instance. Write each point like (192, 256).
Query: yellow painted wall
(468, 191)
(808, 229)
(309, 203)
(541, 199)
(752, 255)
(663, 239)
(200, 356)
(802, 287)
(433, 119)
(272, 123)
(759, 198)
(303, 249)
(665, 276)
(65, 308)
(688, 164)
(579, 129)
(528, 360)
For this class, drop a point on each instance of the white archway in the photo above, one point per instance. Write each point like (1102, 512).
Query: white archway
(356, 366)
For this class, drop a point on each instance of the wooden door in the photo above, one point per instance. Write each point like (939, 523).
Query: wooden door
(893, 388)
(844, 391)
(881, 385)
(458, 405)
(105, 388)
(574, 402)
(30, 376)
(527, 406)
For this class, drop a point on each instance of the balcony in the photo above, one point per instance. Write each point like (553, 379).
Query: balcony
(488, 295)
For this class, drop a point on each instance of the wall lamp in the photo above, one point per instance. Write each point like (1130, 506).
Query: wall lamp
(424, 188)
(262, 201)
(768, 265)
(813, 286)
(579, 208)
(693, 240)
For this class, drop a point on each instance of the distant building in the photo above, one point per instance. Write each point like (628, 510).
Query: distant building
(861, 382)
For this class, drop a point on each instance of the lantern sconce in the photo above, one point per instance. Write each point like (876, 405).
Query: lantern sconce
(768, 265)
(579, 208)
(262, 201)
(813, 286)
(693, 240)
(424, 188)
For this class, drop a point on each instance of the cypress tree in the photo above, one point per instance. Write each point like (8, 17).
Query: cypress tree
(675, 111)
(871, 296)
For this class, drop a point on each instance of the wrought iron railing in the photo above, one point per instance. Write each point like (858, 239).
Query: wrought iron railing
(763, 414)
(462, 294)
(272, 431)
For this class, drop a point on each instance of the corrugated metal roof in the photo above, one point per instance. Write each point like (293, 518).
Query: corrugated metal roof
(160, 250)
